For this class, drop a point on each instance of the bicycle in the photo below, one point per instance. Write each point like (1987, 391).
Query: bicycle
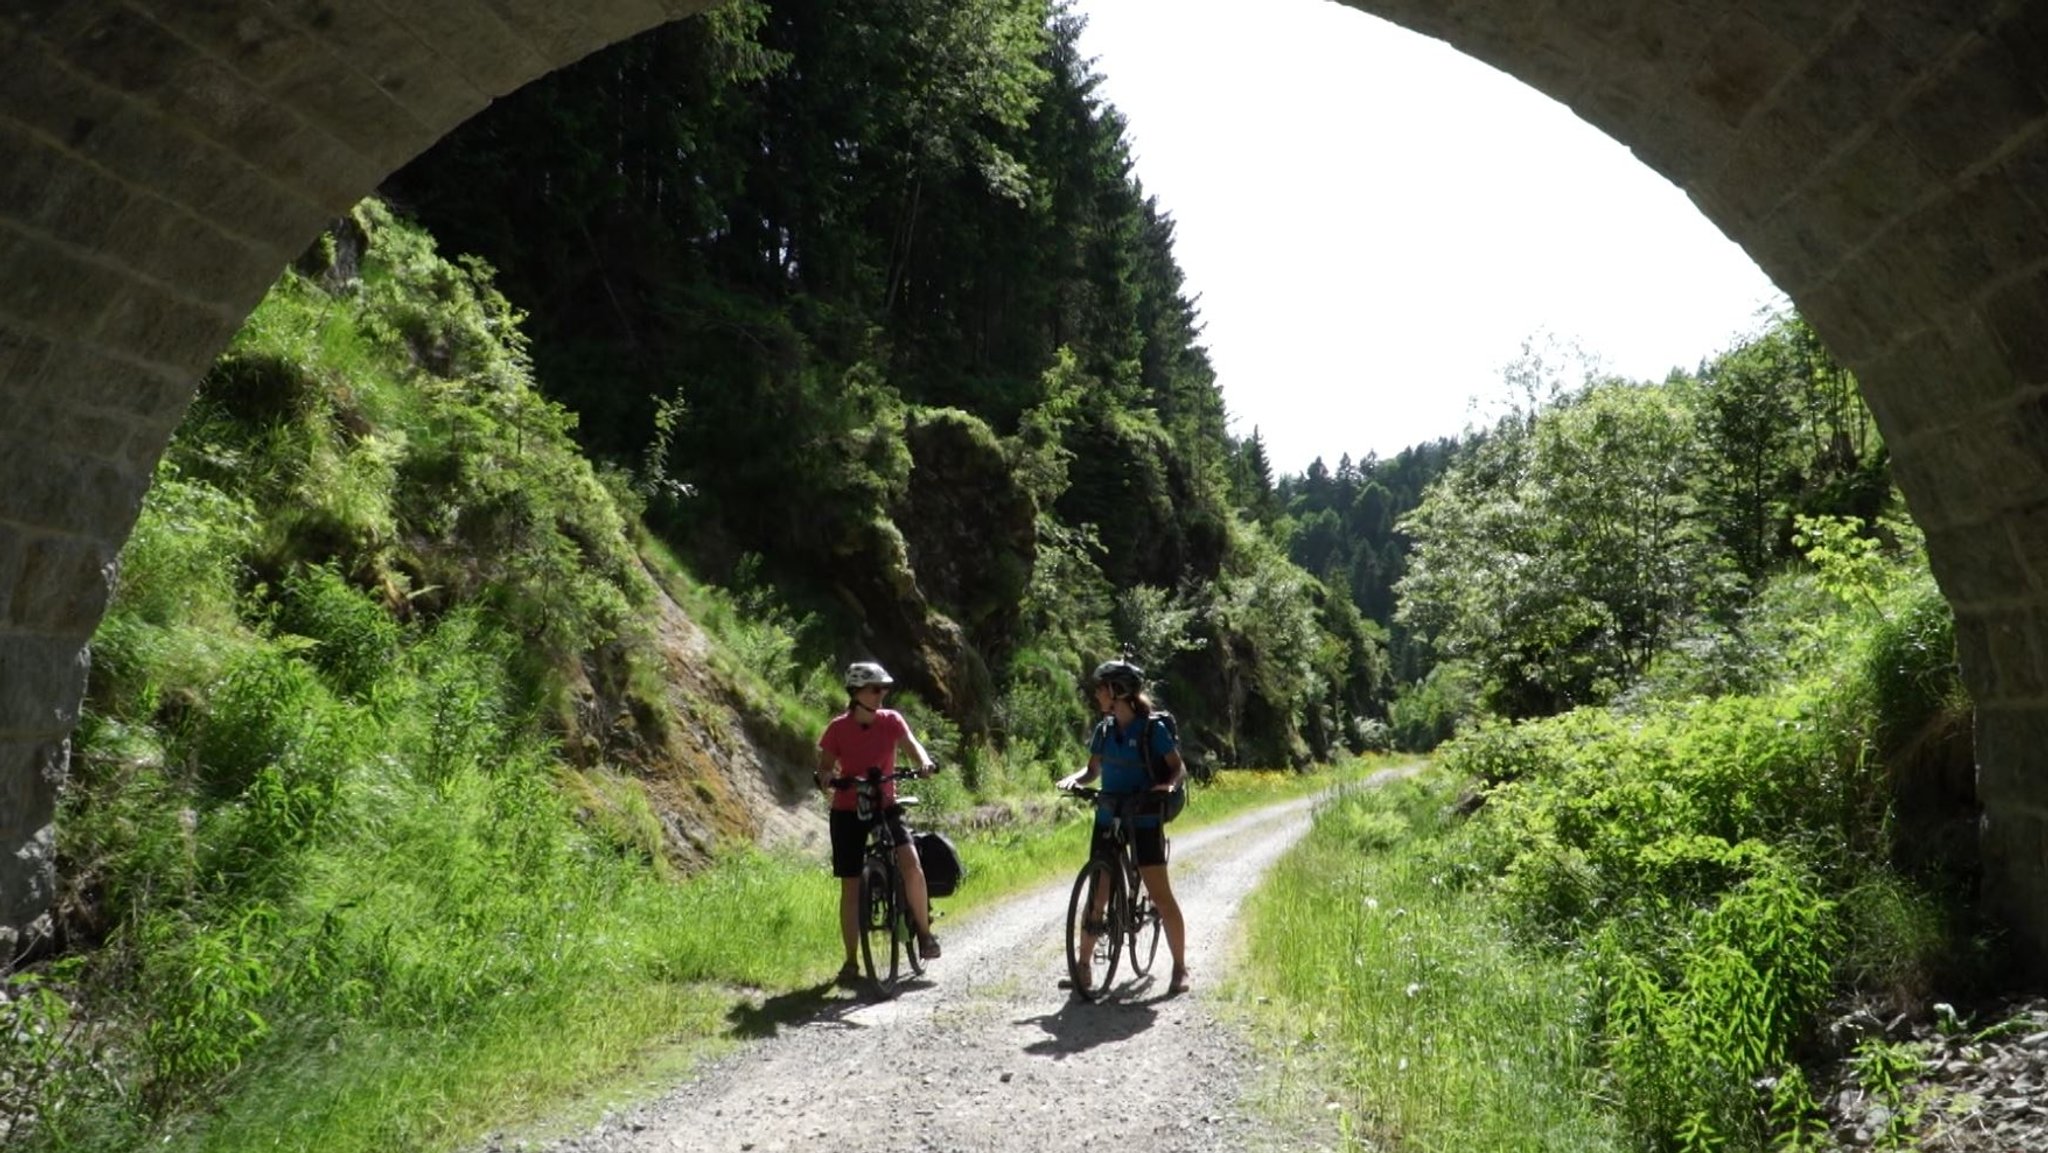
(1110, 903)
(888, 933)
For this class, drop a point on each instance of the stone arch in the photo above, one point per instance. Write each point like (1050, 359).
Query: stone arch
(1884, 161)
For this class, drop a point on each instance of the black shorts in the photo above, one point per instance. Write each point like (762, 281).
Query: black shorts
(850, 837)
(1148, 846)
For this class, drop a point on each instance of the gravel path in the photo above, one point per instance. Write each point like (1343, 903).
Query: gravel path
(988, 1055)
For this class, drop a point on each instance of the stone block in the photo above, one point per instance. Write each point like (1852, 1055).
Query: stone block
(42, 681)
(22, 357)
(64, 492)
(155, 325)
(344, 104)
(2010, 228)
(61, 584)
(2012, 759)
(66, 426)
(1875, 184)
(476, 42)
(1927, 489)
(128, 52)
(91, 378)
(1776, 152)
(2028, 529)
(171, 245)
(52, 288)
(1849, 83)
(31, 772)
(1985, 468)
(619, 20)
(254, 40)
(42, 92)
(557, 31)
(1804, 24)
(1976, 565)
(2002, 647)
(52, 193)
(2023, 32)
(391, 57)
(1939, 376)
(215, 184)
(1742, 61)
(2014, 317)
(2014, 846)
(1979, 101)
(1929, 29)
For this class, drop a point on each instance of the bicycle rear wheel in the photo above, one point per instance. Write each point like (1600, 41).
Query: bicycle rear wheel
(1093, 942)
(1142, 924)
(878, 946)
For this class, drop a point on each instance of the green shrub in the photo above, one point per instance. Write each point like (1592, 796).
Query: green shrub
(356, 638)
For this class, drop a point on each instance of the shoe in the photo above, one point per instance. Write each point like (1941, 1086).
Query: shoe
(928, 947)
(1179, 984)
(1081, 986)
(849, 974)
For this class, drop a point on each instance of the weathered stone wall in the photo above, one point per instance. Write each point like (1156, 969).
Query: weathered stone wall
(1886, 162)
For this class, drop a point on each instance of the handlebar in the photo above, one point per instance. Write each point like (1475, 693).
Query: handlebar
(877, 777)
(1125, 804)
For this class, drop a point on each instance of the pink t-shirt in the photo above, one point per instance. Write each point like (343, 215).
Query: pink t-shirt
(859, 747)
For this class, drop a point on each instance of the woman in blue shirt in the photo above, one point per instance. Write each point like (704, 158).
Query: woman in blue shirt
(1115, 757)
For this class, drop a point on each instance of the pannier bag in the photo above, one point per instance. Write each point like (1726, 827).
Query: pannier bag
(943, 870)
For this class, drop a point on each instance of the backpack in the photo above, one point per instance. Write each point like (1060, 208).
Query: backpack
(943, 869)
(1178, 798)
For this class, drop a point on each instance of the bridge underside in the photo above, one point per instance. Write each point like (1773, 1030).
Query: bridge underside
(1885, 162)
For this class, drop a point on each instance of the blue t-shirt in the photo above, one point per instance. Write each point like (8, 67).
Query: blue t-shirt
(1123, 763)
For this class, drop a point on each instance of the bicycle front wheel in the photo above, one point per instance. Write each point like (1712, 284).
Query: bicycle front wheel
(1142, 925)
(1093, 942)
(878, 953)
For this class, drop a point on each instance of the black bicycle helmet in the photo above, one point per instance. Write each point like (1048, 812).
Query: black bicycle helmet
(1123, 678)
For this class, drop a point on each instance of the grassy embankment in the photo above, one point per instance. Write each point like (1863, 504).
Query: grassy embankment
(1632, 942)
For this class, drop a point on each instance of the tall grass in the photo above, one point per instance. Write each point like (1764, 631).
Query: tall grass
(1401, 1011)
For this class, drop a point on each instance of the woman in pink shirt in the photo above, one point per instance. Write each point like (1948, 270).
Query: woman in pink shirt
(867, 736)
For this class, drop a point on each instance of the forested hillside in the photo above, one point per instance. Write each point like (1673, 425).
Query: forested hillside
(867, 295)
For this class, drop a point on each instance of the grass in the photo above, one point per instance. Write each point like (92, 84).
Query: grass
(1393, 1003)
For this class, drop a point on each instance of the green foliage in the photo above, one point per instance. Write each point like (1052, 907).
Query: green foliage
(356, 638)
(1724, 863)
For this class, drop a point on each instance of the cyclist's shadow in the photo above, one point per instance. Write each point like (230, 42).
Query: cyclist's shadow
(825, 1003)
(1080, 1025)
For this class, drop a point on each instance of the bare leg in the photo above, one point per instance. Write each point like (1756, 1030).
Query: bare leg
(1098, 907)
(849, 917)
(914, 889)
(1161, 887)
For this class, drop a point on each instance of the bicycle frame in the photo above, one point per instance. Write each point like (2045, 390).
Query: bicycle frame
(888, 936)
(1110, 908)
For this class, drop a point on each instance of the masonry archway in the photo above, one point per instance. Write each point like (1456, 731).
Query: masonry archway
(1884, 161)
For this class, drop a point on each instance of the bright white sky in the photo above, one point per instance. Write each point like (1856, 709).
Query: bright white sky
(1374, 223)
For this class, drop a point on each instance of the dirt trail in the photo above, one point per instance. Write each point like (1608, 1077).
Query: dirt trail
(988, 1055)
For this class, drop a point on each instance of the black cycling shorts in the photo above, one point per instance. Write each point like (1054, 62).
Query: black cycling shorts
(850, 837)
(1148, 846)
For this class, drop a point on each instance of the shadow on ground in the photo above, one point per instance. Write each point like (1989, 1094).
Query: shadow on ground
(1080, 1025)
(826, 1002)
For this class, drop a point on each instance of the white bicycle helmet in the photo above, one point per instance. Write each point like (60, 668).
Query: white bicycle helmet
(861, 674)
